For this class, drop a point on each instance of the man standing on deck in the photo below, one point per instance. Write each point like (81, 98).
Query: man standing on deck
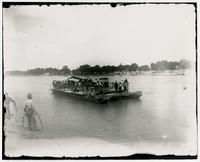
(126, 85)
(116, 86)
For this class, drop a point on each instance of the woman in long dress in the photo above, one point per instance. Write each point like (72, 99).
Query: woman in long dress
(7, 102)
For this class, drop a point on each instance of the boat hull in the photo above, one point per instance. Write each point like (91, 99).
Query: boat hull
(100, 98)
(126, 95)
(96, 99)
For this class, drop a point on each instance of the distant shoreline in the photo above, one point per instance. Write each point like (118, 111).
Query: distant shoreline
(153, 73)
(86, 70)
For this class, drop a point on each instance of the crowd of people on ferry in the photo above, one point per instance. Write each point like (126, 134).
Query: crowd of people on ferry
(121, 86)
(98, 86)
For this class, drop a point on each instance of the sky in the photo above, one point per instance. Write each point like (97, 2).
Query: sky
(56, 36)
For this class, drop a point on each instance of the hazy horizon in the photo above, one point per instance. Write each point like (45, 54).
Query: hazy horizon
(58, 35)
(94, 65)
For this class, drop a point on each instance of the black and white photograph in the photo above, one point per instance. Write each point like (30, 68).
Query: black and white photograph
(99, 80)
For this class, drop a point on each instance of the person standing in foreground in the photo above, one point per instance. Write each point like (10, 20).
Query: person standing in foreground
(30, 112)
(7, 102)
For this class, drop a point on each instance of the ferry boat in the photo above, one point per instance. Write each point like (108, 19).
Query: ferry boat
(98, 91)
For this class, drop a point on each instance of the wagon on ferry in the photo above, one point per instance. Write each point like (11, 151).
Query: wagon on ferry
(98, 90)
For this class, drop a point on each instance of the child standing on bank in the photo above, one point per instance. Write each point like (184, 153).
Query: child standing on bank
(30, 112)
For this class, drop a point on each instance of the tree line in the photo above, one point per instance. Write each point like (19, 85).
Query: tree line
(108, 69)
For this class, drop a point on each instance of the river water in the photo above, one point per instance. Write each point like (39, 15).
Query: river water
(166, 113)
